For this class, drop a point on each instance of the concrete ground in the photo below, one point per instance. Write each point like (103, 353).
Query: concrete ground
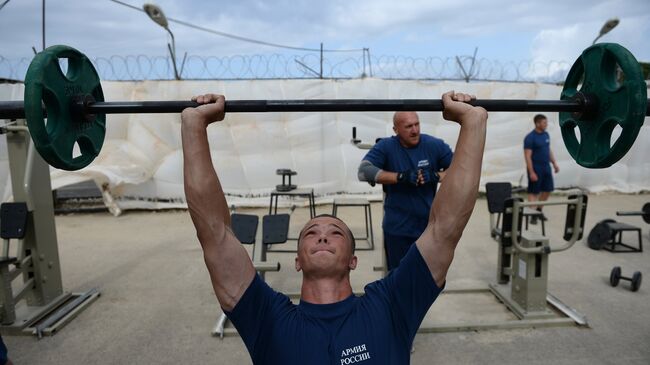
(157, 305)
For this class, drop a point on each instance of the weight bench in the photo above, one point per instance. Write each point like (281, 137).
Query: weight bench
(365, 204)
(497, 193)
(608, 235)
(13, 223)
(275, 229)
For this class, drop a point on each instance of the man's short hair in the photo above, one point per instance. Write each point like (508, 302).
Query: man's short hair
(353, 242)
(538, 118)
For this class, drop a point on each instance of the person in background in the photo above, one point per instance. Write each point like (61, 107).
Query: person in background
(409, 165)
(539, 158)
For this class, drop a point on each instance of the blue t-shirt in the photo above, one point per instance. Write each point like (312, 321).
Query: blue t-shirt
(3, 352)
(375, 328)
(540, 144)
(407, 207)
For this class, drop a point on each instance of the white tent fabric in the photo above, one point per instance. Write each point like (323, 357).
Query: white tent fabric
(141, 161)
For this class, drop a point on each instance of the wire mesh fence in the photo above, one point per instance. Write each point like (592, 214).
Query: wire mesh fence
(309, 66)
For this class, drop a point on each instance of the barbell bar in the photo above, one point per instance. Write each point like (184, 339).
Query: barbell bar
(16, 110)
(595, 99)
(644, 213)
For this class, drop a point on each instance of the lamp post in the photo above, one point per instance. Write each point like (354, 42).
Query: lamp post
(156, 14)
(607, 27)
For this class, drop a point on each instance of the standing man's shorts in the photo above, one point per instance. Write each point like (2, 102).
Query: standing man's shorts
(544, 181)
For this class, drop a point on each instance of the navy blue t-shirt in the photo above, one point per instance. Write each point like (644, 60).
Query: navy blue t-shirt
(407, 207)
(540, 144)
(375, 328)
(3, 352)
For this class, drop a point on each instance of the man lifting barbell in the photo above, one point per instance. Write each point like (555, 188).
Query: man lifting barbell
(330, 325)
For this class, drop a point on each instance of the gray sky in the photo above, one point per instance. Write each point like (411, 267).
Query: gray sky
(503, 30)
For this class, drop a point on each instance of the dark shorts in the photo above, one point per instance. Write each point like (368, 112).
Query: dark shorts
(396, 248)
(544, 181)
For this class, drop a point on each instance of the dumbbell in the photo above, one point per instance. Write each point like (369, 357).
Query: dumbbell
(285, 186)
(615, 276)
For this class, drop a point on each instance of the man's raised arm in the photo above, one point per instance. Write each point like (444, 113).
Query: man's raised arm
(455, 200)
(231, 270)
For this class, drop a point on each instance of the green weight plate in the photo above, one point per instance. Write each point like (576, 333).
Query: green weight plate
(46, 83)
(621, 100)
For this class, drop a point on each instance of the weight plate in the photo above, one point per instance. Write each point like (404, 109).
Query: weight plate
(599, 236)
(46, 83)
(615, 276)
(609, 73)
(636, 281)
(285, 188)
(646, 213)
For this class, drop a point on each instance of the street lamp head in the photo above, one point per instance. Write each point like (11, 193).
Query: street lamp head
(607, 27)
(156, 14)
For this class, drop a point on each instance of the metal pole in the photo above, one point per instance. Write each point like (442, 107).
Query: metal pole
(321, 60)
(15, 109)
(172, 51)
(43, 24)
(597, 38)
(331, 105)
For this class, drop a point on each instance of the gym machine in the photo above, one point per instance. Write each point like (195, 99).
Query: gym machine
(39, 306)
(523, 259)
(275, 230)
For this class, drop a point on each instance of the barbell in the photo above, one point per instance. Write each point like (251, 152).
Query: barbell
(604, 88)
(644, 213)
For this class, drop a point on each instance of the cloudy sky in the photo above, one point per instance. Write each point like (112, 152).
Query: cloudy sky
(540, 30)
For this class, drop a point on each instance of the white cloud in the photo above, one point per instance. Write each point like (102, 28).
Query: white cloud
(567, 43)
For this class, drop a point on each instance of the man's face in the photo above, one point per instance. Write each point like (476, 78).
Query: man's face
(407, 127)
(542, 124)
(325, 248)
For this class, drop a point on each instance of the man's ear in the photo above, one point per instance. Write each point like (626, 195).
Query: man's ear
(353, 263)
(297, 264)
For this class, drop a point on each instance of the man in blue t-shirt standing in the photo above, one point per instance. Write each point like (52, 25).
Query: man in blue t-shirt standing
(409, 166)
(330, 325)
(539, 157)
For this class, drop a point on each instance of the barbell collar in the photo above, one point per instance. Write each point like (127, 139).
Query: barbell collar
(12, 110)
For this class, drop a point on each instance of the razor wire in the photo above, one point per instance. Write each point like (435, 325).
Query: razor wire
(308, 66)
